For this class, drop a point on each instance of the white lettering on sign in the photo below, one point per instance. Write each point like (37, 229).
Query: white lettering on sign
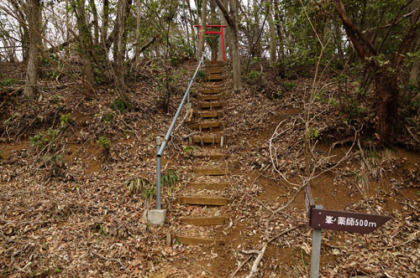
(341, 220)
(329, 219)
(349, 221)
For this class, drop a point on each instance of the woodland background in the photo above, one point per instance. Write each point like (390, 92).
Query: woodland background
(86, 86)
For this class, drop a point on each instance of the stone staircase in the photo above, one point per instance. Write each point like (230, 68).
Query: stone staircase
(204, 211)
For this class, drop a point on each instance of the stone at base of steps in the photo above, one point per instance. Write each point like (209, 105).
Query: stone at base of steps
(203, 200)
(189, 240)
(209, 185)
(205, 221)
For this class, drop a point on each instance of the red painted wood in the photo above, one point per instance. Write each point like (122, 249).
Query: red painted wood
(214, 33)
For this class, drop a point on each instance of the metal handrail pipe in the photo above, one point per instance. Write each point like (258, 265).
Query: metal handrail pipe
(171, 127)
(161, 145)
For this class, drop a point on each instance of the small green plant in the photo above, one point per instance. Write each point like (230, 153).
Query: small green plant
(314, 134)
(64, 120)
(143, 187)
(189, 151)
(149, 192)
(276, 95)
(169, 178)
(43, 139)
(100, 229)
(56, 99)
(289, 86)
(104, 142)
(137, 185)
(107, 117)
(201, 75)
(254, 75)
(119, 105)
(56, 163)
(8, 82)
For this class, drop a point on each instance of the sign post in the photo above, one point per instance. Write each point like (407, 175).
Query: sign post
(316, 250)
(320, 218)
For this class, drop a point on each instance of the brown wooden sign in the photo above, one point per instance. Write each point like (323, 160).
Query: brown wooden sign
(346, 221)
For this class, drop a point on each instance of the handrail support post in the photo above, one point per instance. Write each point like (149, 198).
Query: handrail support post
(158, 173)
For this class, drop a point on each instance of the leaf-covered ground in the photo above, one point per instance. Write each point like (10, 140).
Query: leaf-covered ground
(66, 209)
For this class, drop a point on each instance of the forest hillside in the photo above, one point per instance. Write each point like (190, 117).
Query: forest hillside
(281, 97)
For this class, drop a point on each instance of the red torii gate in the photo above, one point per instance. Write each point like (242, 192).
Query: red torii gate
(220, 32)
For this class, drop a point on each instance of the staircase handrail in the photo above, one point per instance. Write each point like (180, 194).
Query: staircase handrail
(162, 145)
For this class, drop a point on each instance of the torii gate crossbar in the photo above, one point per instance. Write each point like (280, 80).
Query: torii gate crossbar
(213, 33)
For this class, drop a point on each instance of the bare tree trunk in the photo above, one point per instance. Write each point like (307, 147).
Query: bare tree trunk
(120, 47)
(105, 20)
(34, 16)
(86, 44)
(225, 35)
(415, 68)
(213, 44)
(192, 21)
(203, 29)
(273, 40)
(138, 26)
(231, 18)
(236, 59)
(95, 21)
(386, 76)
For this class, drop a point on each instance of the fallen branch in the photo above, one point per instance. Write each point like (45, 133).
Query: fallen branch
(260, 253)
(240, 266)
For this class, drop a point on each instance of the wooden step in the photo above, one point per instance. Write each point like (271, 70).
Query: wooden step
(208, 97)
(208, 139)
(204, 221)
(215, 63)
(211, 70)
(209, 125)
(211, 155)
(210, 105)
(210, 114)
(188, 240)
(209, 185)
(216, 77)
(203, 200)
(211, 91)
(210, 171)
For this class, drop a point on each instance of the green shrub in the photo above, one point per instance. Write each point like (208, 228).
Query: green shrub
(43, 139)
(119, 105)
(64, 120)
(289, 86)
(104, 142)
(252, 75)
(201, 75)
(8, 82)
(169, 178)
(143, 187)
(107, 117)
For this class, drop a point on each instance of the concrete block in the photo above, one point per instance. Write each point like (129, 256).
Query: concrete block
(156, 216)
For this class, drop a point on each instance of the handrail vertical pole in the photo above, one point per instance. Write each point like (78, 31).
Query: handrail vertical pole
(158, 174)
(160, 145)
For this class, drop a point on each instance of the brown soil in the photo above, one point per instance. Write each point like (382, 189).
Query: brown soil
(83, 222)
